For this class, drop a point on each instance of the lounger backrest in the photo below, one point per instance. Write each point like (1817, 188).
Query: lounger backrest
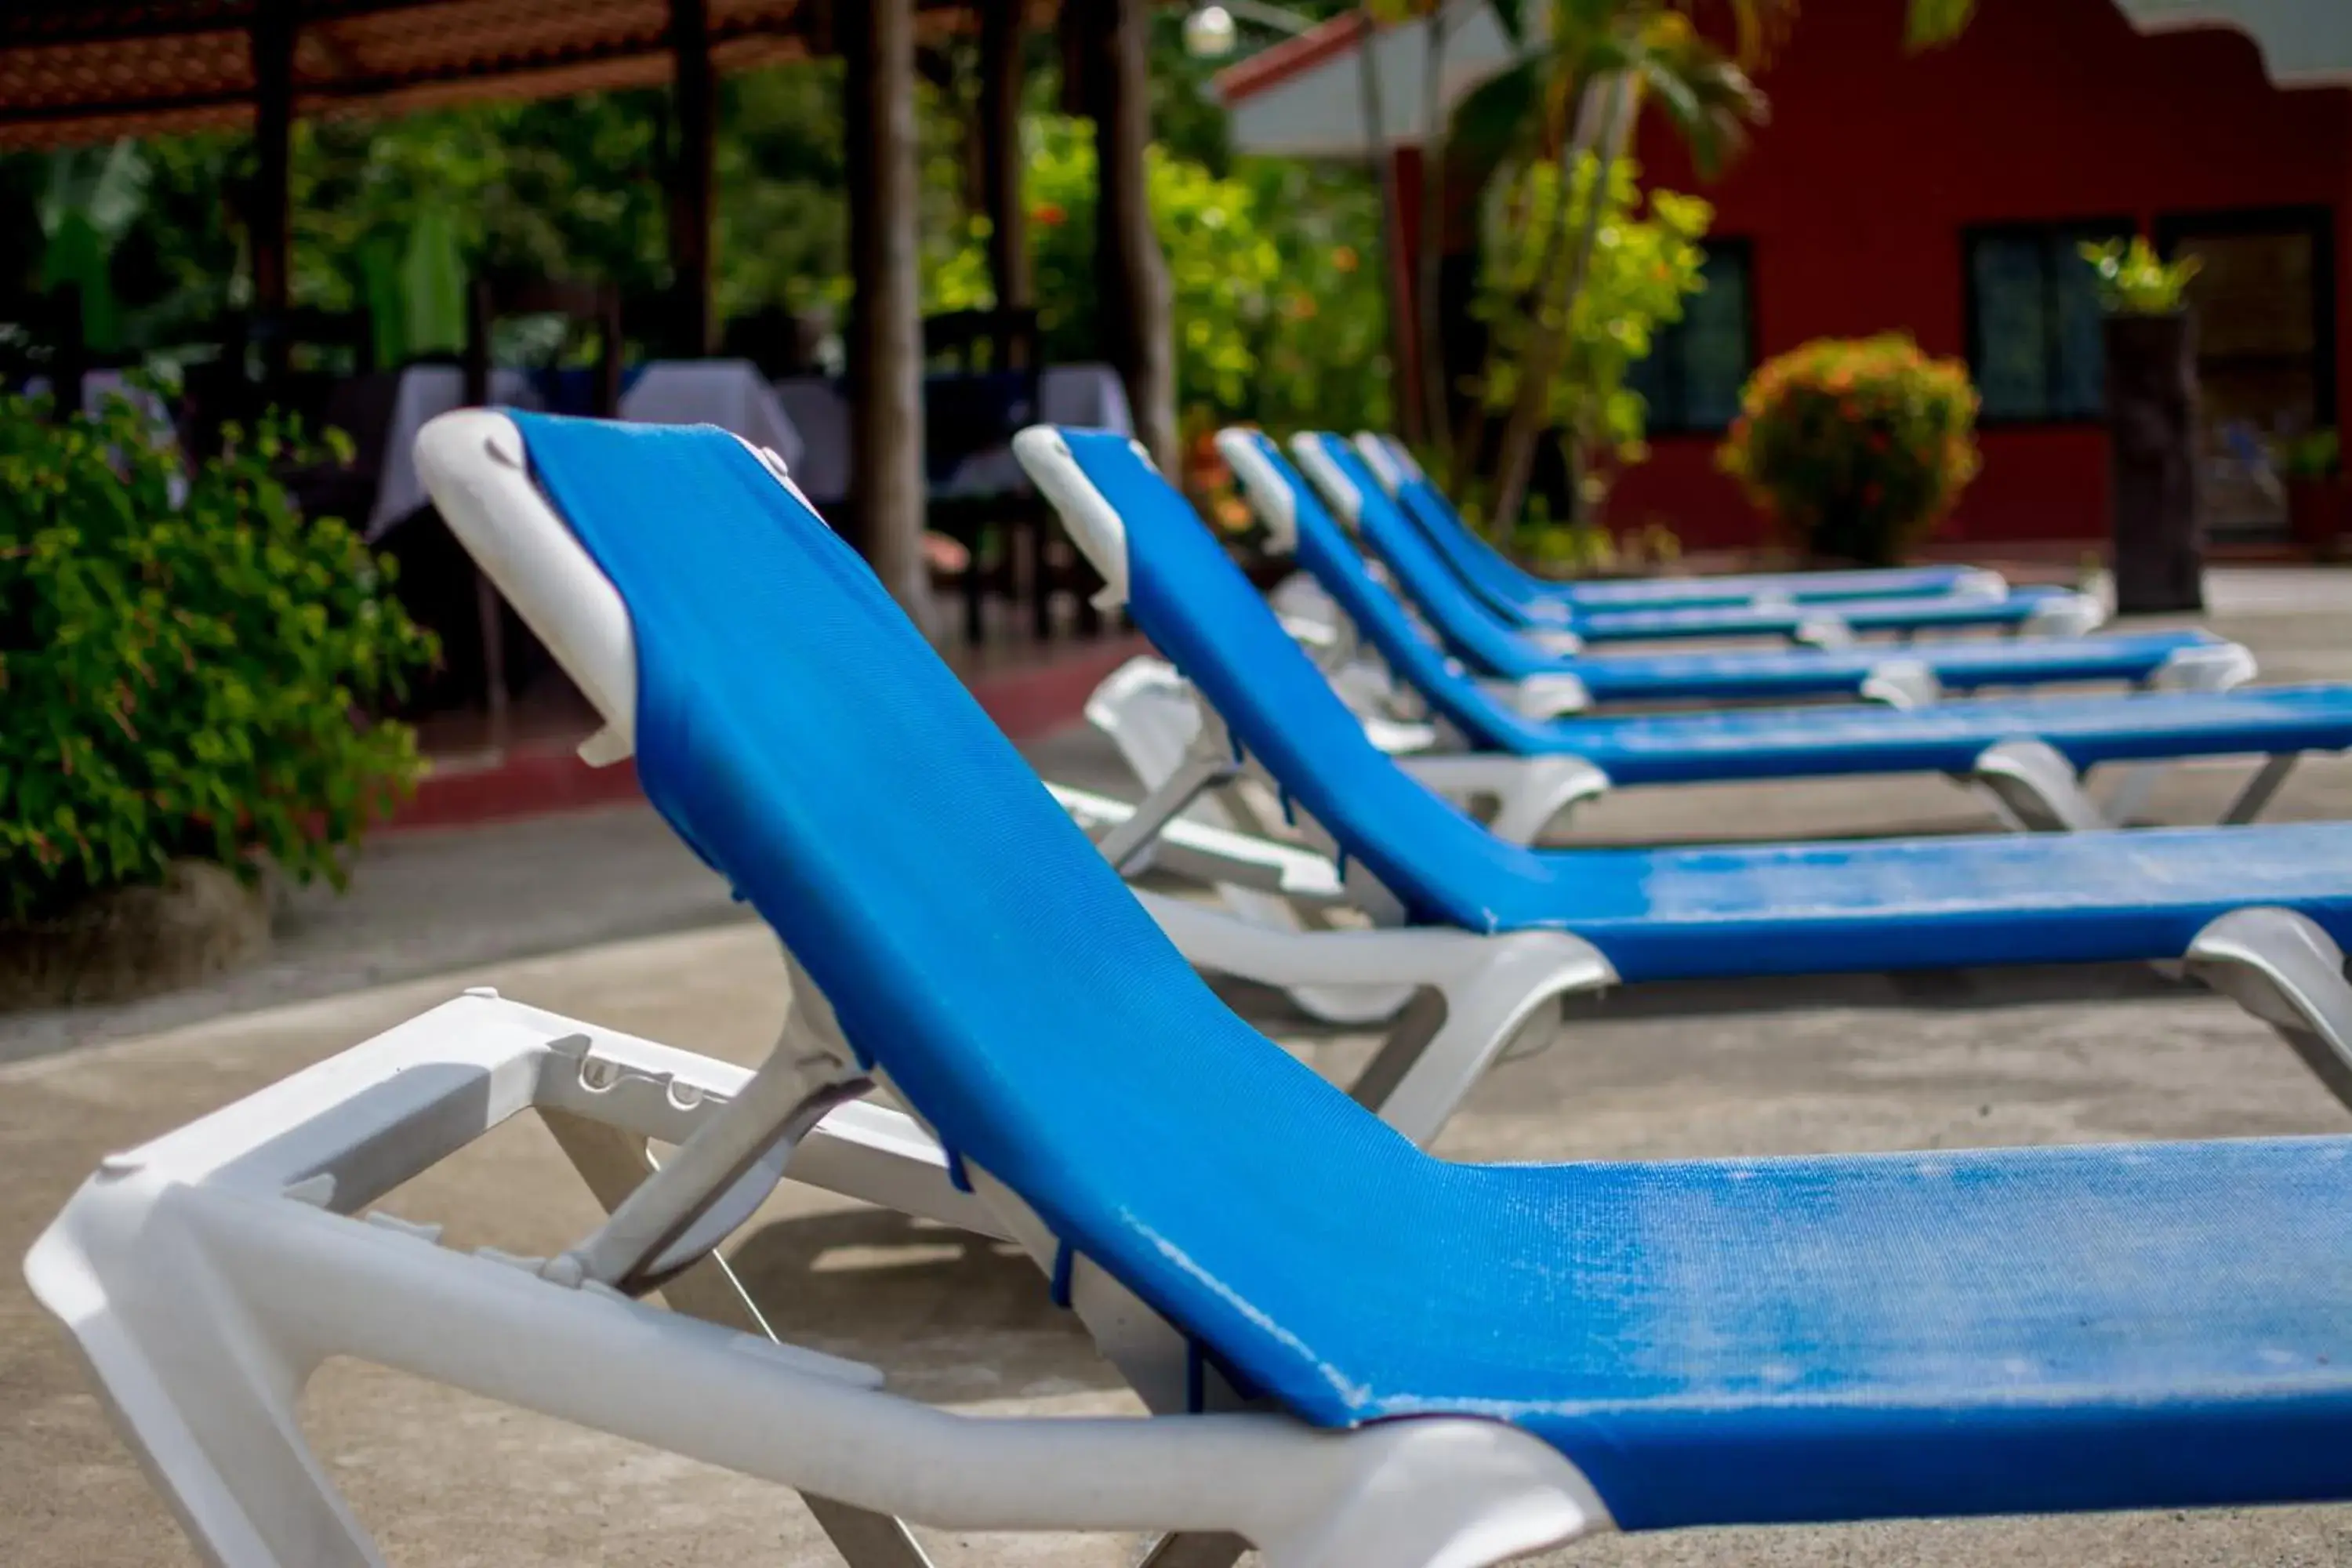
(1322, 548)
(1460, 617)
(794, 726)
(1433, 519)
(1195, 605)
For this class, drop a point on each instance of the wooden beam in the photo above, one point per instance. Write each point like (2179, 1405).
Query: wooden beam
(1000, 156)
(694, 113)
(885, 339)
(267, 218)
(1131, 273)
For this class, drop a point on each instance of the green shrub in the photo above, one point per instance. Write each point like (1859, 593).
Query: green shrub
(182, 674)
(1857, 447)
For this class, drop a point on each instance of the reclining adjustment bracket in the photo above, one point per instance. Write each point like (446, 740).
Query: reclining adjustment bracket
(1209, 759)
(732, 1162)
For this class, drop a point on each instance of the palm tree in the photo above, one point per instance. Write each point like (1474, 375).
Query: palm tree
(1576, 92)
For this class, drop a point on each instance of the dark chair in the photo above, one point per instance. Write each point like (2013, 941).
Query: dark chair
(993, 360)
(590, 306)
(584, 308)
(41, 336)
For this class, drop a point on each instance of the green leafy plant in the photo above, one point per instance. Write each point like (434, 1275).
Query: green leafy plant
(2315, 455)
(2136, 282)
(1857, 447)
(184, 661)
(1278, 316)
(1645, 261)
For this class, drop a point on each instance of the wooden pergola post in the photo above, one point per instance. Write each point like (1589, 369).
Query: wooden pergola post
(1000, 156)
(1130, 272)
(268, 219)
(885, 342)
(694, 110)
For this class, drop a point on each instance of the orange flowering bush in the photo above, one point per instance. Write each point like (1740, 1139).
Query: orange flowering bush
(1859, 448)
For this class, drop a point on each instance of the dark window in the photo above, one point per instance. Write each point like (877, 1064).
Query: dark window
(2034, 321)
(1697, 367)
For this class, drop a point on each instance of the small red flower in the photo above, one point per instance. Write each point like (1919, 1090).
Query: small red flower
(1048, 215)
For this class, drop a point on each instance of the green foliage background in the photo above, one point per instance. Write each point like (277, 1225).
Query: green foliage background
(185, 663)
(1277, 308)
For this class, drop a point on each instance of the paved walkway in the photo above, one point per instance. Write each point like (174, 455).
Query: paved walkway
(1750, 1069)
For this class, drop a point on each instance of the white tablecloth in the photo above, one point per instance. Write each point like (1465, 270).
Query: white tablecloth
(426, 392)
(1090, 396)
(728, 392)
(98, 385)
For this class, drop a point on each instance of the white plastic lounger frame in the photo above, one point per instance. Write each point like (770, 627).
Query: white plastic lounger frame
(2027, 785)
(206, 1275)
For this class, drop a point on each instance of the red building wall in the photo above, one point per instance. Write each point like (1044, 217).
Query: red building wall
(1855, 195)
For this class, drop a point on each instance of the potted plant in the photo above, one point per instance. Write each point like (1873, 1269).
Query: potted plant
(2316, 496)
(2151, 346)
(1857, 448)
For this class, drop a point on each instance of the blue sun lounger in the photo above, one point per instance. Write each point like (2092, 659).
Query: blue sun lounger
(1549, 674)
(1523, 599)
(1652, 914)
(1401, 477)
(2028, 753)
(1355, 1355)
(1976, 601)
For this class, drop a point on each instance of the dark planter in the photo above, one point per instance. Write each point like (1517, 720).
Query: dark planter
(2316, 509)
(2160, 557)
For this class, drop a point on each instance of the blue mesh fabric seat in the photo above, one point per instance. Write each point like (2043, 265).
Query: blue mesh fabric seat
(1762, 744)
(1493, 645)
(1807, 1339)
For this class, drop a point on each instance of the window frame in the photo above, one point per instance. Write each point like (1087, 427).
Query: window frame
(2317, 220)
(1653, 425)
(2091, 226)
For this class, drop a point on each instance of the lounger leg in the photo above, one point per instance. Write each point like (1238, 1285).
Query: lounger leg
(1903, 683)
(2256, 796)
(2280, 966)
(1541, 698)
(613, 1162)
(1198, 1548)
(2034, 789)
(1528, 792)
(2129, 795)
(1823, 631)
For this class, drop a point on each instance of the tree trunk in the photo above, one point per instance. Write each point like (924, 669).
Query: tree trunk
(2152, 457)
(1432, 334)
(266, 210)
(694, 104)
(885, 356)
(1532, 411)
(1470, 441)
(999, 128)
(1131, 274)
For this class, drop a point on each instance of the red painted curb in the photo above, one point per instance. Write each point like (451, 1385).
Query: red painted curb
(547, 776)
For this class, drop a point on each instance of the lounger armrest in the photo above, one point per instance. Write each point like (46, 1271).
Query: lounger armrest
(1542, 698)
(1527, 792)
